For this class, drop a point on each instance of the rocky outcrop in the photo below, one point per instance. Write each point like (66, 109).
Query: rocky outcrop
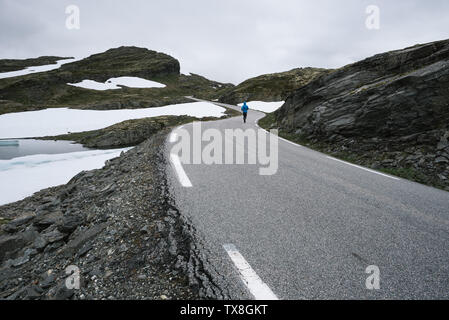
(123, 61)
(271, 87)
(392, 107)
(117, 225)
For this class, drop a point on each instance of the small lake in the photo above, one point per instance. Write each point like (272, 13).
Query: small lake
(13, 148)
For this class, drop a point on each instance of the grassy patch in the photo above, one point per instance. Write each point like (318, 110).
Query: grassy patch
(413, 175)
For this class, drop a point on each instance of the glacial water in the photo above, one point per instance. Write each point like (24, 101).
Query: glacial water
(11, 148)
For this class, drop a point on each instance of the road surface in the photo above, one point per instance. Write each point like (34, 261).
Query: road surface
(311, 230)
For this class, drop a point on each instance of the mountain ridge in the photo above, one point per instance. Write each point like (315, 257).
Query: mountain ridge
(50, 90)
(273, 86)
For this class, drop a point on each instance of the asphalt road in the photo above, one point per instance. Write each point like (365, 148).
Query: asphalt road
(311, 230)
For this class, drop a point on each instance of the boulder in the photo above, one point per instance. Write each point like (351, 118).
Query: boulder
(10, 244)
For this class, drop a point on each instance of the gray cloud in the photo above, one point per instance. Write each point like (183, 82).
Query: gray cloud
(224, 40)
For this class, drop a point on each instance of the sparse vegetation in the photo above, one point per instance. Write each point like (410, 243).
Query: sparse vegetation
(272, 87)
(409, 173)
(8, 65)
(50, 89)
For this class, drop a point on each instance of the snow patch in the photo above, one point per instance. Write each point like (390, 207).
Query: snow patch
(56, 121)
(36, 69)
(267, 107)
(22, 177)
(115, 83)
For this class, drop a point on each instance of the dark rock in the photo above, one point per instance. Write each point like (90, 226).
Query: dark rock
(43, 221)
(30, 234)
(30, 252)
(85, 249)
(13, 226)
(33, 292)
(54, 246)
(20, 261)
(380, 97)
(145, 229)
(17, 294)
(9, 244)
(74, 245)
(48, 278)
(40, 243)
(70, 223)
(53, 236)
(63, 293)
(441, 160)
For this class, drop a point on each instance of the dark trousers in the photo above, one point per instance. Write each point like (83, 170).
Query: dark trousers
(245, 114)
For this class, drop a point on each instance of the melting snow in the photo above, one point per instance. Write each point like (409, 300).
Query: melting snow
(36, 69)
(21, 177)
(267, 107)
(115, 83)
(56, 121)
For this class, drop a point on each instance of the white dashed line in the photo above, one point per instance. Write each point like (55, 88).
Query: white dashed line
(366, 169)
(176, 162)
(255, 285)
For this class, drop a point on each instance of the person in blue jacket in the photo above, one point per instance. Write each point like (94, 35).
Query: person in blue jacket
(245, 111)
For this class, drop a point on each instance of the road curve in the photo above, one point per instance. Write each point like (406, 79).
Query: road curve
(311, 230)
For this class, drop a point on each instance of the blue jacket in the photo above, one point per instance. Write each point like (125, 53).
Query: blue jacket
(245, 107)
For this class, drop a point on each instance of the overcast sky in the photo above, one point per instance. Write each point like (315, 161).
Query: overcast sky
(226, 40)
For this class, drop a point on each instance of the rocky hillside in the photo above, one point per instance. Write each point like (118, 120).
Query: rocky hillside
(8, 65)
(118, 225)
(123, 61)
(271, 87)
(390, 111)
(50, 89)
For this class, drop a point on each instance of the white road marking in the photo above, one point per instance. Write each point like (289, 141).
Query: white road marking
(255, 285)
(173, 137)
(177, 165)
(182, 176)
(288, 141)
(345, 162)
(366, 169)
